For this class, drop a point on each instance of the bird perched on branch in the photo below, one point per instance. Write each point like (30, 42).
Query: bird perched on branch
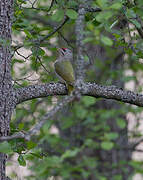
(64, 68)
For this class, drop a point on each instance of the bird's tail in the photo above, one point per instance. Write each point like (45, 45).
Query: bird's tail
(70, 89)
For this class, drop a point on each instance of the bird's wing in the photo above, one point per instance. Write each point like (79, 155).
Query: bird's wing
(65, 70)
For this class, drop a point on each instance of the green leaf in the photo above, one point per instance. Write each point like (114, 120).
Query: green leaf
(22, 1)
(30, 145)
(70, 153)
(135, 164)
(102, 3)
(103, 178)
(136, 23)
(71, 13)
(5, 147)
(107, 41)
(130, 13)
(68, 124)
(28, 34)
(140, 2)
(111, 136)
(88, 39)
(139, 11)
(21, 126)
(38, 51)
(58, 16)
(116, 6)
(121, 123)
(46, 127)
(38, 155)
(21, 160)
(118, 177)
(19, 12)
(89, 142)
(72, 3)
(88, 101)
(80, 112)
(102, 16)
(107, 145)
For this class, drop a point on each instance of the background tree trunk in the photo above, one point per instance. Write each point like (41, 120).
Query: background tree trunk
(106, 159)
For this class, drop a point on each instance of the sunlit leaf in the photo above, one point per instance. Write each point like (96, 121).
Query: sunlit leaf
(121, 123)
(116, 6)
(107, 145)
(21, 160)
(106, 40)
(71, 13)
(58, 16)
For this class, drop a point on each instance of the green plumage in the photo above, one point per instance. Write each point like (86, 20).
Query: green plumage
(65, 70)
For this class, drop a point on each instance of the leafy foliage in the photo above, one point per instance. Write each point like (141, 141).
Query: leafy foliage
(90, 132)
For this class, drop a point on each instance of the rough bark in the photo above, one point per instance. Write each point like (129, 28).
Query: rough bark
(6, 102)
(88, 89)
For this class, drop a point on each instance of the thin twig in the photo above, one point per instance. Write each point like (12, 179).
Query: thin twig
(53, 32)
(23, 55)
(51, 5)
(42, 65)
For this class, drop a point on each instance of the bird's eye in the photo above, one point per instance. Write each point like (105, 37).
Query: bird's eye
(64, 49)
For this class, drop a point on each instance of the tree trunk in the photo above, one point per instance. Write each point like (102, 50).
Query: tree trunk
(6, 97)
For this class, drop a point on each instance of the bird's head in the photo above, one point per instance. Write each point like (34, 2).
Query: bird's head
(65, 53)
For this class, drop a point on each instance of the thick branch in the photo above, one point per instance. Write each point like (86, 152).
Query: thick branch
(14, 136)
(113, 92)
(39, 91)
(89, 89)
